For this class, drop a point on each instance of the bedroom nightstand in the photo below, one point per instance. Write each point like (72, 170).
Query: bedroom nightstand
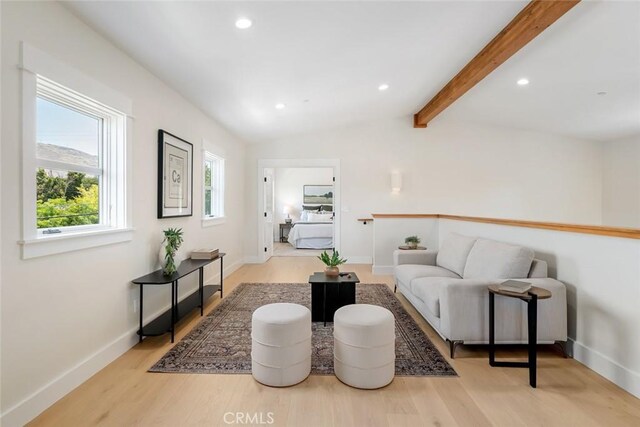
(285, 228)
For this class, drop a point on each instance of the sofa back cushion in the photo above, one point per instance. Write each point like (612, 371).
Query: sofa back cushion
(489, 259)
(454, 251)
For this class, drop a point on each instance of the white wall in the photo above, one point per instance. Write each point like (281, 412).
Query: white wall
(621, 182)
(389, 233)
(602, 275)
(1, 213)
(288, 190)
(453, 168)
(66, 316)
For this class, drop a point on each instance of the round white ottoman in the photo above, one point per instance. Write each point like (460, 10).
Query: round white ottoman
(281, 344)
(364, 351)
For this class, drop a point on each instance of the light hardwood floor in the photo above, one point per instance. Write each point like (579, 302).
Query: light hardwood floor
(124, 394)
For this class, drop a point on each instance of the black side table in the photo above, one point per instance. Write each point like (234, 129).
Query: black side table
(285, 229)
(531, 297)
(329, 293)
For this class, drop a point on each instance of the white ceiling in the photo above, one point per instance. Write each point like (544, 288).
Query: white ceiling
(325, 60)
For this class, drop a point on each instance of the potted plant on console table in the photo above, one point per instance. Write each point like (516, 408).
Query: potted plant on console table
(412, 241)
(332, 262)
(168, 250)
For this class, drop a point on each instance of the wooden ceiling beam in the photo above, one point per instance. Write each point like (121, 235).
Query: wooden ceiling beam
(527, 25)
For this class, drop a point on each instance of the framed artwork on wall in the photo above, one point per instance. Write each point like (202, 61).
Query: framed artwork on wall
(317, 194)
(175, 176)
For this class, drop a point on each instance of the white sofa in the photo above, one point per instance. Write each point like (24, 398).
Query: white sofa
(449, 289)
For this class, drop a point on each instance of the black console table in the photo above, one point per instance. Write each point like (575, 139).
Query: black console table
(167, 320)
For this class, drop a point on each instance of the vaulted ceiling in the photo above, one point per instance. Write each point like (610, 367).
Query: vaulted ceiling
(325, 61)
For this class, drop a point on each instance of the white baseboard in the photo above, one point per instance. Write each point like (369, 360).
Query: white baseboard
(358, 259)
(252, 259)
(382, 270)
(603, 365)
(47, 395)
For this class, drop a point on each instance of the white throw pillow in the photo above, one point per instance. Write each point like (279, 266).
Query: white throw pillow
(496, 260)
(304, 216)
(312, 217)
(454, 251)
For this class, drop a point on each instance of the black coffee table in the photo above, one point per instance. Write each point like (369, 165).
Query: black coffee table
(330, 293)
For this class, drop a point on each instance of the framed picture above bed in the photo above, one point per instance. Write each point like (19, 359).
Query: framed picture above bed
(317, 194)
(175, 176)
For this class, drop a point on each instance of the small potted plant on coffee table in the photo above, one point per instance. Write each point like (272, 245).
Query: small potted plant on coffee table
(412, 241)
(332, 262)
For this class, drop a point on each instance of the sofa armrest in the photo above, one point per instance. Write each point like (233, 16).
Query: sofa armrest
(539, 269)
(464, 312)
(421, 257)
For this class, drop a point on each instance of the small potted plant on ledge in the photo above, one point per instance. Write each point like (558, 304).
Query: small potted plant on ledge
(412, 241)
(332, 262)
(170, 245)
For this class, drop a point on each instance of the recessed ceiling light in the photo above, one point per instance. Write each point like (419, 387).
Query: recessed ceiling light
(602, 93)
(243, 23)
(280, 106)
(383, 86)
(523, 82)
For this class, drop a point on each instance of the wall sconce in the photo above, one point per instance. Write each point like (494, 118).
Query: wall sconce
(396, 182)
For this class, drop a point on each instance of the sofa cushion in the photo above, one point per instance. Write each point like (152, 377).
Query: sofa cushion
(454, 251)
(405, 273)
(489, 259)
(427, 289)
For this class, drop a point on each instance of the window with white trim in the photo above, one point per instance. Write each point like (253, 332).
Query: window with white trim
(77, 140)
(213, 186)
(75, 157)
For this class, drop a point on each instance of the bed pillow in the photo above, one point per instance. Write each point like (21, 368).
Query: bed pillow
(304, 215)
(311, 208)
(326, 208)
(314, 217)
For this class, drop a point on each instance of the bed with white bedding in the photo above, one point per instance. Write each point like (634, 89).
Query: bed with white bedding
(315, 233)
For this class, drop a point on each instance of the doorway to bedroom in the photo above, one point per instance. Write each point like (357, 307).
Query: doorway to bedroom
(299, 207)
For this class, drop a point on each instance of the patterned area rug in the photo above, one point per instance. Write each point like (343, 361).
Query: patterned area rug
(221, 343)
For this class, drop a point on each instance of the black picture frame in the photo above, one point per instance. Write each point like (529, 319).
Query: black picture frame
(175, 161)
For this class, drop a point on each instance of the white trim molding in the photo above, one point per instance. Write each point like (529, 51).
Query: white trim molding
(29, 408)
(357, 259)
(382, 270)
(34, 248)
(43, 75)
(298, 163)
(608, 368)
(210, 222)
(38, 62)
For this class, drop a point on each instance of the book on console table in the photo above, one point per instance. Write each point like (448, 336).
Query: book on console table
(204, 254)
(515, 286)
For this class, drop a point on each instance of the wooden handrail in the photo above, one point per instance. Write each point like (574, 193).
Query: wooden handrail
(405, 215)
(628, 233)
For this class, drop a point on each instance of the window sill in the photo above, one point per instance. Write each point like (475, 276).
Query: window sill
(210, 222)
(57, 244)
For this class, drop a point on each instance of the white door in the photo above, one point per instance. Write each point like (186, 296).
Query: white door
(268, 206)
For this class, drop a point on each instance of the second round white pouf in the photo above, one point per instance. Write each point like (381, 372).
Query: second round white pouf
(281, 344)
(364, 345)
